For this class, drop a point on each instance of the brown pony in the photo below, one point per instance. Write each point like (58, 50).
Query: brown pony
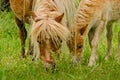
(91, 19)
(50, 24)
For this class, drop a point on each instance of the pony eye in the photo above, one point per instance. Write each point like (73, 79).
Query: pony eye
(39, 41)
(79, 46)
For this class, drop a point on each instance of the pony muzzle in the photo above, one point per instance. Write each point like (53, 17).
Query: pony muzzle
(45, 56)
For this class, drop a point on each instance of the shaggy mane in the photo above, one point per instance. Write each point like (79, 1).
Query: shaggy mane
(50, 29)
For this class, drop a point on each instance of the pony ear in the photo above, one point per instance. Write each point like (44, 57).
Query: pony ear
(59, 18)
(33, 15)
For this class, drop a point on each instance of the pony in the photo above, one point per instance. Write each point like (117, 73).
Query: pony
(50, 27)
(50, 23)
(92, 17)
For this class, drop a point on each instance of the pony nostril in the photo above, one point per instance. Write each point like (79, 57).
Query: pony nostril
(39, 41)
(60, 41)
(79, 46)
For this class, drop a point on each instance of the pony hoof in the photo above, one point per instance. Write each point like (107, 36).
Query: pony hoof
(23, 53)
(33, 59)
(23, 56)
(117, 57)
(50, 67)
(75, 61)
(106, 58)
(92, 63)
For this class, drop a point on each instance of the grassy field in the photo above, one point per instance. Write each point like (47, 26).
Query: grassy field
(13, 67)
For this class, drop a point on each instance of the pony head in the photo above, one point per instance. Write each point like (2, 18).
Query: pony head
(47, 32)
(78, 43)
(79, 40)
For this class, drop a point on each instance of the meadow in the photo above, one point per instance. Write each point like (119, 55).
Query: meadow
(13, 67)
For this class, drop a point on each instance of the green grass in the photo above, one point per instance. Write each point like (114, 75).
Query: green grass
(13, 67)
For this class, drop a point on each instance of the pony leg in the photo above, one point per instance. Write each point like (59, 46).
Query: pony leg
(118, 53)
(22, 34)
(30, 49)
(94, 43)
(90, 36)
(109, 36)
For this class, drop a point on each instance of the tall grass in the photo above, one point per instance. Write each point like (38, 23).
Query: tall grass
(13, 67)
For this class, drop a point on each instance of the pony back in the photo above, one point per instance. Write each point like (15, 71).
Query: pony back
(68, 8)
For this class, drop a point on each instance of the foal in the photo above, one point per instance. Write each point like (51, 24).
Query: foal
(91, 18)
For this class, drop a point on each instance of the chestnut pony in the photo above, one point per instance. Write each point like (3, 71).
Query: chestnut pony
(50, 21)
(91, 18)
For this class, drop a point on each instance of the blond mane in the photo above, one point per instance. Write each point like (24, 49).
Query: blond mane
(68, 8)
(48, 27)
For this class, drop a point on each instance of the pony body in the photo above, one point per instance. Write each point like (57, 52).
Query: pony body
(21, 8)
(91, 18)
